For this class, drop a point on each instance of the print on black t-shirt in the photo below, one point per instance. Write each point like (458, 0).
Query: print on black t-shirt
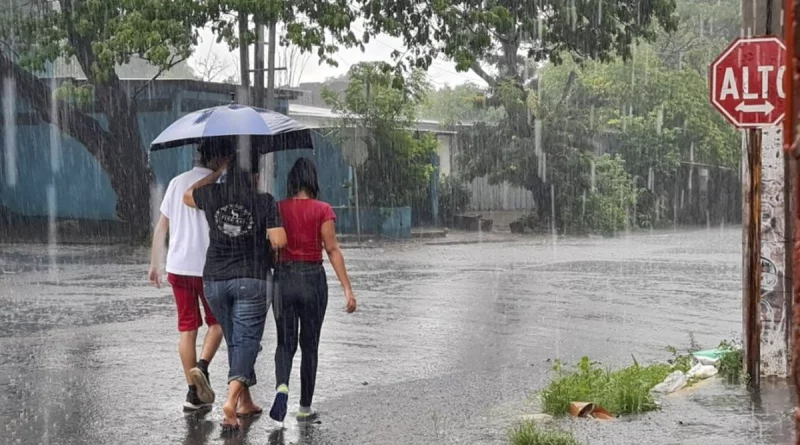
(238, 220)
(234, 220)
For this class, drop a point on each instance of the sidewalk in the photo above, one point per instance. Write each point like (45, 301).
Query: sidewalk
(418, 233)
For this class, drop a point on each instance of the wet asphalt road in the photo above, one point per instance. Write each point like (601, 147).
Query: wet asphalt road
(449, 345)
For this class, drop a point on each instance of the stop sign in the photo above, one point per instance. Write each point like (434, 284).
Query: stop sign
(747, 82)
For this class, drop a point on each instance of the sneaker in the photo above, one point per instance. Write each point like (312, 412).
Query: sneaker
(278, 411)
(193, 402)
(204, 391)
(307, 416)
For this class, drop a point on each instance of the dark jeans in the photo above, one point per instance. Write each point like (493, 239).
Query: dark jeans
(301, 299)
(240, 306)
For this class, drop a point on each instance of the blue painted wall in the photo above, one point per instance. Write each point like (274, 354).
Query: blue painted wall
(82, 188)
(333, 171)
(392, 222)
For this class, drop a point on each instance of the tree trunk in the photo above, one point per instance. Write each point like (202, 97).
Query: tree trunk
(119, 151)
(127, 166)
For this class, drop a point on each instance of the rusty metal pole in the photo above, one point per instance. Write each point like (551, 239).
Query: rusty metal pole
(753, 296)
(790, 78)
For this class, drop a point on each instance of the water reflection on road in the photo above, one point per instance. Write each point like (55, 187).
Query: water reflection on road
(448, 345)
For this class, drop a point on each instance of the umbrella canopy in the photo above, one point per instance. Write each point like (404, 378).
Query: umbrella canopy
(269, 131)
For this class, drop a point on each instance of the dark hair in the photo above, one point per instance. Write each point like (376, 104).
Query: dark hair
(303, 176)
(211, 149)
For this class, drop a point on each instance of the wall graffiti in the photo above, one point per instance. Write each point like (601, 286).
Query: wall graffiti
(774, 347)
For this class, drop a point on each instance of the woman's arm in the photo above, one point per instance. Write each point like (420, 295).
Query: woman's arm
(188, 196)
(331, 244)
(277, 238)
(159, 239)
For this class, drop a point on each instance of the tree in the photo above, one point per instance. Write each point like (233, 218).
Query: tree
(212, 67)
(504, 34)
(505, 42)
(460, 104)
(295, 61)
(381, 109)
(99, 36)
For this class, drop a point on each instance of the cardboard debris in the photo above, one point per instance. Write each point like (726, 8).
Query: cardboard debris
(590, 410)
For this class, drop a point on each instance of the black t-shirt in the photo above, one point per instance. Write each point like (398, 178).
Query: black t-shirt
(238, 221)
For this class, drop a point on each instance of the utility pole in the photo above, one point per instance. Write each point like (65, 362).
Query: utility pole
(244, 60)
(271, 105)
(269, 160)
(765, 335)
(791, 9)
(258, 65)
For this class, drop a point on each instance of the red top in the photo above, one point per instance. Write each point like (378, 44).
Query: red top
(302, 220)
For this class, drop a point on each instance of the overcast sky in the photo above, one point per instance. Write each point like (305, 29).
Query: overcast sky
(441, 72)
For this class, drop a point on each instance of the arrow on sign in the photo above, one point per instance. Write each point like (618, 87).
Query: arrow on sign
(765, 108)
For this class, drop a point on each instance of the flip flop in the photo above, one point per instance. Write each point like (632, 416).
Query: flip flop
(250, 414)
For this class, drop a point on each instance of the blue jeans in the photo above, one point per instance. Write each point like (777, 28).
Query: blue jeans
(240, 306)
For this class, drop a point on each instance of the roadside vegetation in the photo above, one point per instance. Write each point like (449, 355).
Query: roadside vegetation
(731, 364)
(625, 391)
(628, 390)
(529, 433)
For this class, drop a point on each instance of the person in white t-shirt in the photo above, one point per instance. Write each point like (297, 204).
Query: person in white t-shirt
(186, 256)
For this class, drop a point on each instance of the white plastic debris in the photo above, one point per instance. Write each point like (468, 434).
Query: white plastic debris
(701, 371)
(707, 360)
(672, 383)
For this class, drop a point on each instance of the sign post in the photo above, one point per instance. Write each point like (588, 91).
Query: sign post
(747, 87)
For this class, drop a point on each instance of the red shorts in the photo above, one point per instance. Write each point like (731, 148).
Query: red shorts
(188, 295)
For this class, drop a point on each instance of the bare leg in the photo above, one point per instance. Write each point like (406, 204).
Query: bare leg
(246, 405)
(187, 347)
(235, 390)
(211, 342)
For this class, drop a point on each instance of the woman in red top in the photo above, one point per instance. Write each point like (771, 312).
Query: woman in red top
(302, 295)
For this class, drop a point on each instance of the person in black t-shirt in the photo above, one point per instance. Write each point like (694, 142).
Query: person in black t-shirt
(244, 228)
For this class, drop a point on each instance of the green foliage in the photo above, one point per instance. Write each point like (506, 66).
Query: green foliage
(104, 34)
(81, 95)
(321, 27)
(469, 31)
(731, 363)
(454, 198)
(464, 103)
(381, 108)
(625, 391)
(528, 433)
(608, 205)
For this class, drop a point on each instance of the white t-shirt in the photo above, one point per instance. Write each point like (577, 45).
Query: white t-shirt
(188, 228)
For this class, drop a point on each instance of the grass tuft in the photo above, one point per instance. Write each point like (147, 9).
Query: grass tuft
(528, 433)
(625, 391)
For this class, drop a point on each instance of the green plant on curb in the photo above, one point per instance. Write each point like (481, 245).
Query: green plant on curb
(528, 433)
(625, 391)
(731, 362)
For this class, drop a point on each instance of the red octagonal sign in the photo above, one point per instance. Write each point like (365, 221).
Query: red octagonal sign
(747, 82)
